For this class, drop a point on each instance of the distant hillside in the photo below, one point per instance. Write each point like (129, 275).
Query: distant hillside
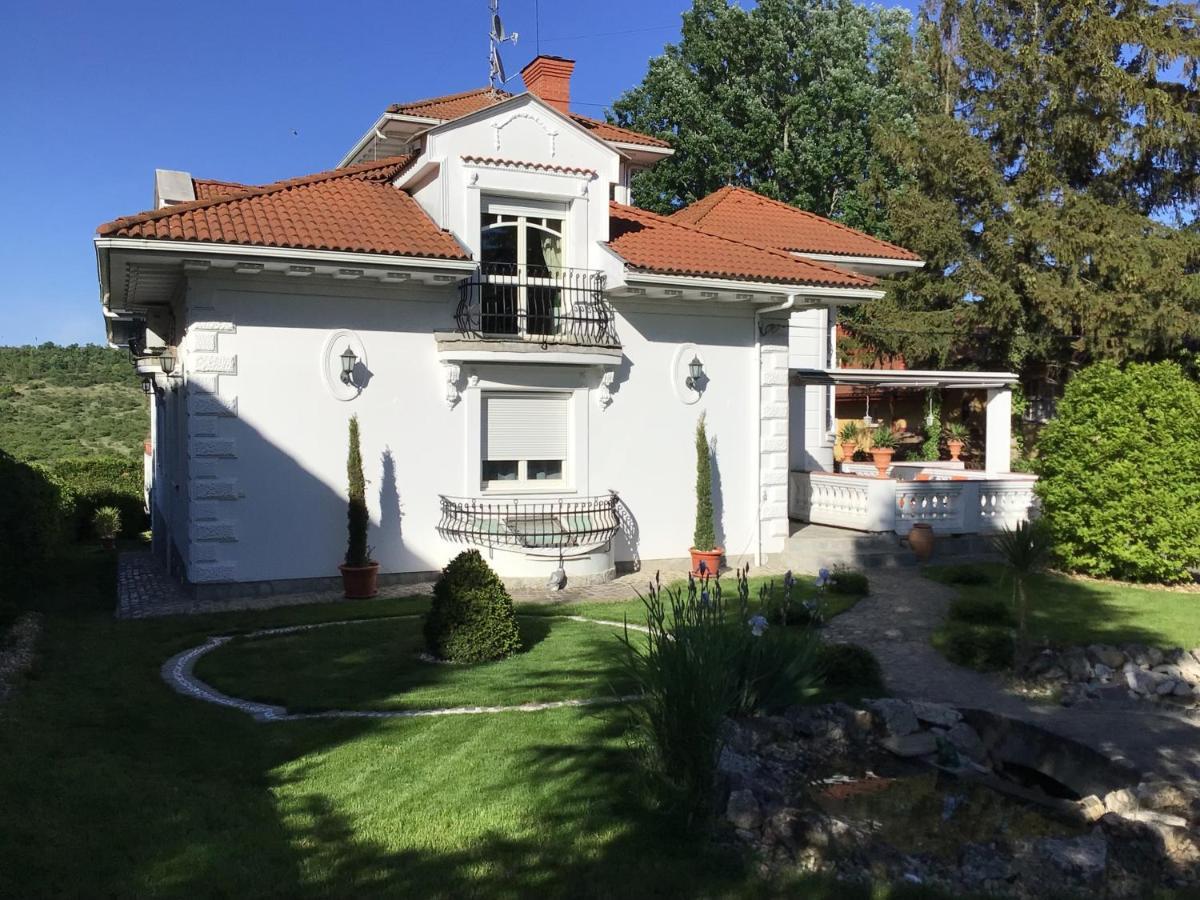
(70, 401)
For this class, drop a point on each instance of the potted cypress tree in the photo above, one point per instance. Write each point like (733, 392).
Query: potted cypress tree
(360, 573)
(706, 555)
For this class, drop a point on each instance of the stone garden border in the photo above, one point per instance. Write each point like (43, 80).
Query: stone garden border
(179, 673)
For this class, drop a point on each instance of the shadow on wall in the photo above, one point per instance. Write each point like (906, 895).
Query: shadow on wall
(389, 532)
(718, 495)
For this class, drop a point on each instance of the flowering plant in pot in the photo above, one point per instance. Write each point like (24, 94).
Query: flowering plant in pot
(360, 573)
(956, 437)
(883, 447)
(706, 555)
(848, 438)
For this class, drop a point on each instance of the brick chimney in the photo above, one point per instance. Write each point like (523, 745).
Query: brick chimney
(549, 77)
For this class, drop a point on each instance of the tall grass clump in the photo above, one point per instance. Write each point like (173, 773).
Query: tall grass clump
(706, 658)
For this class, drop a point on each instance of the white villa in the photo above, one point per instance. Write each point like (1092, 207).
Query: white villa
(527, 355)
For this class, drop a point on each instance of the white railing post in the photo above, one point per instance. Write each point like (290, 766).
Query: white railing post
(997, 454)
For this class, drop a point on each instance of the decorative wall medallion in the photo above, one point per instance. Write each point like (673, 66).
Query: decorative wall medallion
(551, 131)
(331, 365)
(679, 373)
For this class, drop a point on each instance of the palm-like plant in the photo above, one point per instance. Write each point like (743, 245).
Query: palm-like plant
(1025, 550)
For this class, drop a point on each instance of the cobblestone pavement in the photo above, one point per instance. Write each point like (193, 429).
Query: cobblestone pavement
(895, 623)
(144, 589)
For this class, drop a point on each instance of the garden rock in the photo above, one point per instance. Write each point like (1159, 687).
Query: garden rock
(910, 745)
(1092, 808)
(1121, 801)
(743, 810)
(1074, 661)
(1084, 857)
(935, 713)
(1139, 682)
(897, 716)
(966, 741)
(1106, 655)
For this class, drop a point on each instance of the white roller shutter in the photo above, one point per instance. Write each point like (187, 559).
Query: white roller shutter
(525, 426)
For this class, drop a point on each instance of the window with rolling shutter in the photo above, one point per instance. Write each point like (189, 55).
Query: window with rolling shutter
(524, 438)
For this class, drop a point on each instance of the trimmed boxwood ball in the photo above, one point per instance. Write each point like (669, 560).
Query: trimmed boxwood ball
(472, 618)
(850, 668)
(1118, 466)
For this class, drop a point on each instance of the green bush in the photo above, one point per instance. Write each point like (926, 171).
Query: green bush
(850, 669)
(1118, 467)
(96, 481)
(472, 618)
(703, 660)
(846, 581)
(982, 611)
(35, 517)
(106, 522)
(984, 647)
(966, 573)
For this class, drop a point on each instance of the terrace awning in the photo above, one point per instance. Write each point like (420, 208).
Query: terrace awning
(904, 378)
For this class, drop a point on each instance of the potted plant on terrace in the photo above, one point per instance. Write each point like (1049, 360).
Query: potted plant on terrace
(956, 436)
(883, 447)
(360, 573)
(706, 555)
(106, 521)
(848, 437)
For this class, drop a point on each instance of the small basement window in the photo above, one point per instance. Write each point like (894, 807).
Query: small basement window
(524, 440)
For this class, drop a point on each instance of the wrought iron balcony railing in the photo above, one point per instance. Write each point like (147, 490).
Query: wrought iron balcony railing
(541, 304)
(579, 523)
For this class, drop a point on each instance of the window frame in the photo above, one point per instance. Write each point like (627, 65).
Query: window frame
(522, 484)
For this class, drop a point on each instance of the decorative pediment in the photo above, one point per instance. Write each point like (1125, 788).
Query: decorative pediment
(547, 127)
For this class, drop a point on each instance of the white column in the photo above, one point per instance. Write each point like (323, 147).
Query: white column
(773, 443)
(997, 454)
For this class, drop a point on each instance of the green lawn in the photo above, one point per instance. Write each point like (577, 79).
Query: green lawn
(1076, 611)
(115, 786)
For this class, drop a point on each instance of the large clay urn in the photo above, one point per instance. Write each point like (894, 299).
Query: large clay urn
(848, 448)
(955, 448)
(920, 540)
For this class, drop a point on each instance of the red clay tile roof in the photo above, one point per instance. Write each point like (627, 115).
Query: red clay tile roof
(354, 209)
(654, 243)
(208, 188)
(453, 106)
(736, 212)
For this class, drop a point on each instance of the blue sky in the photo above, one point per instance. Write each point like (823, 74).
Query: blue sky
(95, 96)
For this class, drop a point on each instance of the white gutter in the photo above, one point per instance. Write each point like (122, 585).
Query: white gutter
(327, 256)
(838, 258)
(779, 307)
(754, 287)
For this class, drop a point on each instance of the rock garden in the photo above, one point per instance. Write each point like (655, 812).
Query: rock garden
(1129, 671)
(960, 800)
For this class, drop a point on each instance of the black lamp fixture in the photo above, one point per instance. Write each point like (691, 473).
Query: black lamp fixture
(695, 373)
(349, 361)
(166, 361)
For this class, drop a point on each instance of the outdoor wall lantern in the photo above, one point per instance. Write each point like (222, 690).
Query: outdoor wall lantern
(166, 361)
(696, 378)
(349, 361)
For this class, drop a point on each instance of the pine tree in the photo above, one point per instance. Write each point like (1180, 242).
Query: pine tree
(358, 518)
(1053, 190)
(705, 536)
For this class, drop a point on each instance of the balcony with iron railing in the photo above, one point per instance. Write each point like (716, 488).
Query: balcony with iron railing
(541, 306)
(547, 527)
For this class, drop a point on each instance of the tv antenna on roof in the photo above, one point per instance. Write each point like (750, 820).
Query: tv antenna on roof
(495, 39)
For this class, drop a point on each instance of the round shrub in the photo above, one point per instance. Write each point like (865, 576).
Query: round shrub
(984, 647)
(982, 611)
(472, 618)
(850, 668)
(1118, 469)
(846, 581)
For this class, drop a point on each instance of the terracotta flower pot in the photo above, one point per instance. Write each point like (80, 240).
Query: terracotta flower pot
(882, 457)
(955, 448)
(848, 449)
(360, 582)
(711, 560)
(920, 541)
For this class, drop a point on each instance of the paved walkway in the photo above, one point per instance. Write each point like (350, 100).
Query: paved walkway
(895, 623)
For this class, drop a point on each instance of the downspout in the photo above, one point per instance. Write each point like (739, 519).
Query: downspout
(779, 307)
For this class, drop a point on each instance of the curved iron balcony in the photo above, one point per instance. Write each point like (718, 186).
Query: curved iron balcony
(577, 523)
(540, 304)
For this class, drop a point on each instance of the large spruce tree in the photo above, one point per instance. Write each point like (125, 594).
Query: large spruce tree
(1054, 176)
(783, 98)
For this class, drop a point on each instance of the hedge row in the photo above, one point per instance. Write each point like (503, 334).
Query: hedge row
(96, 481)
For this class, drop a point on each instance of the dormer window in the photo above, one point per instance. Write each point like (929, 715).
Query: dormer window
(522, 246)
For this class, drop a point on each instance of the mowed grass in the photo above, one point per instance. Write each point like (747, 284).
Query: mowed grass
(116, 786)
(378, 665)
(1065, 610)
